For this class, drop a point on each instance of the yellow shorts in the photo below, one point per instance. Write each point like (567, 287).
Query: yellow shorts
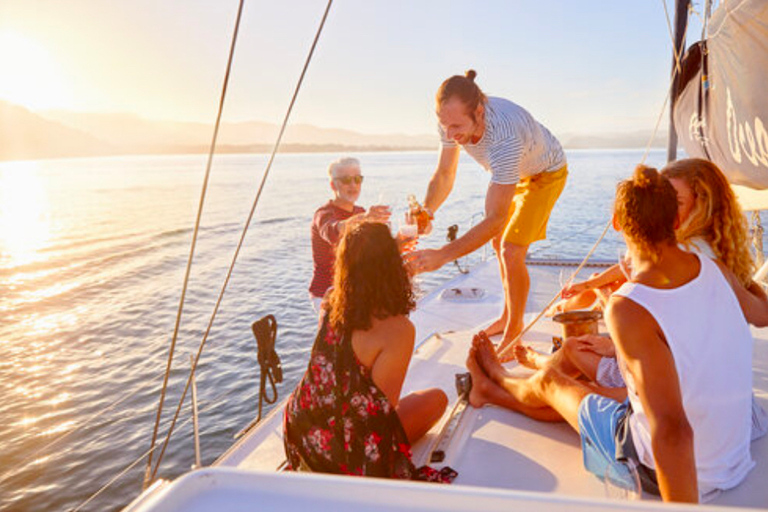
(531, 206)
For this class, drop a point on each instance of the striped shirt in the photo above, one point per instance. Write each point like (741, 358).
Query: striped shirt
(514, 145)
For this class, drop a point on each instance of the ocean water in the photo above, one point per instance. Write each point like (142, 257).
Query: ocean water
(92, 259)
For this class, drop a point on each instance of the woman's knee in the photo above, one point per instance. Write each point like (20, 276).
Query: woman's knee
(437, 399)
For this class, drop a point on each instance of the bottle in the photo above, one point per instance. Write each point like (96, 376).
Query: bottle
(419, 214)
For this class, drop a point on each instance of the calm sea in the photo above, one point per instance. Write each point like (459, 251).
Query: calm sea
(92, 259)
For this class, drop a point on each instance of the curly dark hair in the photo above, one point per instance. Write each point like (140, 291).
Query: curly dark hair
(646, 210)
(370, 280)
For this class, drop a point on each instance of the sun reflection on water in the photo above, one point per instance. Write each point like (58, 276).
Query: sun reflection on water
(24, 213)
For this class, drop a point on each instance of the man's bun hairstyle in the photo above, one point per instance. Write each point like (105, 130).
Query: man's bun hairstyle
(463, 87)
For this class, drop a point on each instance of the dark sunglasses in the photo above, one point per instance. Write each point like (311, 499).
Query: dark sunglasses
(348, 180)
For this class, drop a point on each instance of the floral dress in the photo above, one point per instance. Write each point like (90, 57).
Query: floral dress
(338, 421)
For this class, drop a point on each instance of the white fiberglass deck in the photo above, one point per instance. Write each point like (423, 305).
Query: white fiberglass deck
(496, 448)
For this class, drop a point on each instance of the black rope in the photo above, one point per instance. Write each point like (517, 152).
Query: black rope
(147, 477)
(265, 331)
(242, 239)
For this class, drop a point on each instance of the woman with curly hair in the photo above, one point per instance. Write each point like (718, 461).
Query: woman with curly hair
(346, 415)
(710, 221)
(709, 216)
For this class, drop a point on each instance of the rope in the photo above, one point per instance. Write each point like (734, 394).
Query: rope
(210, 405)
(677, 55)
(557, 296)
(188, 270)
(46, 447)
(265, 331)
(242, 237)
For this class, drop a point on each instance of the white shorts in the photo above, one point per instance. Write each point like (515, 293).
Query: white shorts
(608, 374)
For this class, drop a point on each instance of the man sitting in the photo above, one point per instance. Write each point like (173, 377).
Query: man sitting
(668, 324)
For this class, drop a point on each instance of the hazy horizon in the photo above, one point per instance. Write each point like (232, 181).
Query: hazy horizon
(579, 68)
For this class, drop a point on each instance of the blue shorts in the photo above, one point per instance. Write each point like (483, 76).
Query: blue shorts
(607, 444)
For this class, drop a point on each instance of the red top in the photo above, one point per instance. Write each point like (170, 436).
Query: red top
(325, 236)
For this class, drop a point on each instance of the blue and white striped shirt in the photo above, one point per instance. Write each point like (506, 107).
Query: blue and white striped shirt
(514, 145)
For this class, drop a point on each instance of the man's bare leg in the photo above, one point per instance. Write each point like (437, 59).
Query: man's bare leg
(486, 391)
(498, 325)
(517, 283)
(546, 388)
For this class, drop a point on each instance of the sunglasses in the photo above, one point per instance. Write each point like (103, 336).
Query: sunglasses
(348, 180)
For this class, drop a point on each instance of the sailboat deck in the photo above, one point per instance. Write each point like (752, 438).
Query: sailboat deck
(493, 447)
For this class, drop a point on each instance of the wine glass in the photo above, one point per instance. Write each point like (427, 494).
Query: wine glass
(622, 481)
(565, 279)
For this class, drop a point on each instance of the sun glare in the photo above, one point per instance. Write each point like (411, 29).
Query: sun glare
(24, 222)
(31, 77)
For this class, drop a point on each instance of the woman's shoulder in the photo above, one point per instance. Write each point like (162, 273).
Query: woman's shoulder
(394, 330)
(395, 325)
(394, 334)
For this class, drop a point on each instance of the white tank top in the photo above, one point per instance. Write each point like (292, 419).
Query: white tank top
(711, 345)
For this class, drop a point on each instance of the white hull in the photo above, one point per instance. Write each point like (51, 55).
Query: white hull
(504, 459)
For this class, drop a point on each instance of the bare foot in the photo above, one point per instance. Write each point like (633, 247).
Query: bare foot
(482, 385)
(485, 353)
(529, 358)
(497, 326)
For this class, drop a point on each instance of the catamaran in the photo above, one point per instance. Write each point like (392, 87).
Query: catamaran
(506, 460)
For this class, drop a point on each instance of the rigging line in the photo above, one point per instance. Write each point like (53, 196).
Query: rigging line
(557, 295)
(676, 52)
(669, 93)
(188, 270)
(548, 244)
(242, 236)
(209, 405)
(55, 441)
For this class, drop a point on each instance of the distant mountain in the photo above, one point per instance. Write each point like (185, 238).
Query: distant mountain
(25, 135)
(133, 132)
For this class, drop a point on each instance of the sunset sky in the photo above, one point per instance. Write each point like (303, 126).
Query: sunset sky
(581, 67)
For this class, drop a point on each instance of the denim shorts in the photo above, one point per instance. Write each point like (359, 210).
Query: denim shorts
(606, 442)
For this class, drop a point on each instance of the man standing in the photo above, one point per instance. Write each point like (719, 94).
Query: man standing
(329, 221)
(528, 173)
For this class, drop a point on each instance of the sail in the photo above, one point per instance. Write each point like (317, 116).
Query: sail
(721, 112)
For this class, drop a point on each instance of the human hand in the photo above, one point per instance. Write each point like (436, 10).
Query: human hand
(425, 260)
(600, 345)
(406, 240)
(378, 213)
(573, 289)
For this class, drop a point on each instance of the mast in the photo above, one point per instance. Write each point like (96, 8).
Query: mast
(681, 24)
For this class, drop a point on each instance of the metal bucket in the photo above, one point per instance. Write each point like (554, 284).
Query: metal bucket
(576, 323)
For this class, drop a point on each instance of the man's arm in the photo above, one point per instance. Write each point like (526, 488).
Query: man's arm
(331, 229)
(441, 184)
(649, 360)
(497, 202)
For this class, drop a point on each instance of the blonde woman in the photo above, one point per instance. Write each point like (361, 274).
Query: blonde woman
(709, 222)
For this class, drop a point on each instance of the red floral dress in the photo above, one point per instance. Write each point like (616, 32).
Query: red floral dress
(338, 421)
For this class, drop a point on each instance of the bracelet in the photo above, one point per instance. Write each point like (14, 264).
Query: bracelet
(429, 212)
